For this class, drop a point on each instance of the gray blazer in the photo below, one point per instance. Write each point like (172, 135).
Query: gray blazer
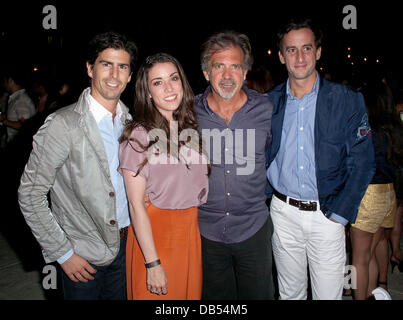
(69, 160)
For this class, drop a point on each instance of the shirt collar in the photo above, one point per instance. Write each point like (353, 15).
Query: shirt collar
(314, 91)
(209, 89)
(16, 94)
(99, 111)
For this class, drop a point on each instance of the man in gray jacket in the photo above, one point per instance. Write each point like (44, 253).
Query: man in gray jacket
(75, 157)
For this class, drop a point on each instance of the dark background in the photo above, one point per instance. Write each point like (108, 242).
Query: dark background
(180, 29)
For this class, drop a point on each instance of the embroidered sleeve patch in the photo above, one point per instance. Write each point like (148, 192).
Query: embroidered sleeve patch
(364, 129)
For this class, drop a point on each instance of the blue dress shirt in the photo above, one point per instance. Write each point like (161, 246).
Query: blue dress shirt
(235, 209)
(293, 170)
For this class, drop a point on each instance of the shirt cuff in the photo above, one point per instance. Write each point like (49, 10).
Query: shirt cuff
(65, 257)
(337, 218)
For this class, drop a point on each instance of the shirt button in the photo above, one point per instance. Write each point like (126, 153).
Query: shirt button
(111, 194)
(302, 128)
(303, 186)
(228, 171)
(301, 167)
(227, 213)
(112, 222)
(301, 148)
(228, 194)
(302, 109)
(226, 149)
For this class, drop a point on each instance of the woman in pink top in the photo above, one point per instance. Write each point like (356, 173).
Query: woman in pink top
(161, 156)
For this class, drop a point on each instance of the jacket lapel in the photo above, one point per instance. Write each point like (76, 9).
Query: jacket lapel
(321, 113)
(91, 131)
(93, 135)
(277, 122)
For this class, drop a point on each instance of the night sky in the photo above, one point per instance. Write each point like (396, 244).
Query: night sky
(179, 28)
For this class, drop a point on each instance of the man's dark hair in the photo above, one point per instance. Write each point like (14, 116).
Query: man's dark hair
(19, 74)
(296, 24)
(112, 40)
(224, 40)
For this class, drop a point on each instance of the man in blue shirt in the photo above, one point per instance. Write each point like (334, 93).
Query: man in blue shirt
(234, 222)
(320, 164)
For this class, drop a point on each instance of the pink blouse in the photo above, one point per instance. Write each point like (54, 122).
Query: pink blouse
(169, 185)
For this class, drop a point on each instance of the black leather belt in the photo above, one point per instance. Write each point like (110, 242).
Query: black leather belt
(123, 232)
(301, 205)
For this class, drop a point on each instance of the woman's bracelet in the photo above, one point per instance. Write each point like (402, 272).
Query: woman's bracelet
(153, 264)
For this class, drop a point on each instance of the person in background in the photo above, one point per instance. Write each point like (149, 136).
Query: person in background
(378, 207)
(163, 246)
(65, 95)
(3, 110)
(42, 92)
(20, 106)
(320, 163)
(75, 157)
(396, 259)
(259, 79)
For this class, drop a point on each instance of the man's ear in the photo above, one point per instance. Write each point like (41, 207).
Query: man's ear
(89, 69)
(318, 53)
(280, 55)
(206, 76)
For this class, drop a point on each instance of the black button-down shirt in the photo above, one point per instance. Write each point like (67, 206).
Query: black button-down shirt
(235, 209)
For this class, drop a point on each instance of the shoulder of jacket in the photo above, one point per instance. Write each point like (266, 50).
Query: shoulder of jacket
(339, 87)
(277, 91)
(275, 94)
(66, 115)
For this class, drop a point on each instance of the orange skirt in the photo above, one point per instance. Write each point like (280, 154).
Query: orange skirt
(177, 240)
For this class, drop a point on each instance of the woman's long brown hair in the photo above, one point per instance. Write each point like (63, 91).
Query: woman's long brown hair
(148, 116)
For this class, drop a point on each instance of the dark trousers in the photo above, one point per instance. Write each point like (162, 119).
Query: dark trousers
(239, 270)
(109, 281)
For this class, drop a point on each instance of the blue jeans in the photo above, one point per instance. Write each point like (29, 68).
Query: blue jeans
(109, 281)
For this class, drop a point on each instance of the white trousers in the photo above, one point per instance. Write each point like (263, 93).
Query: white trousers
(302, 239)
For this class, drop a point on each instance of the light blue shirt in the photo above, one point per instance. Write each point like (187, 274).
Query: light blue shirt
(110, 130)
(292, 172)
